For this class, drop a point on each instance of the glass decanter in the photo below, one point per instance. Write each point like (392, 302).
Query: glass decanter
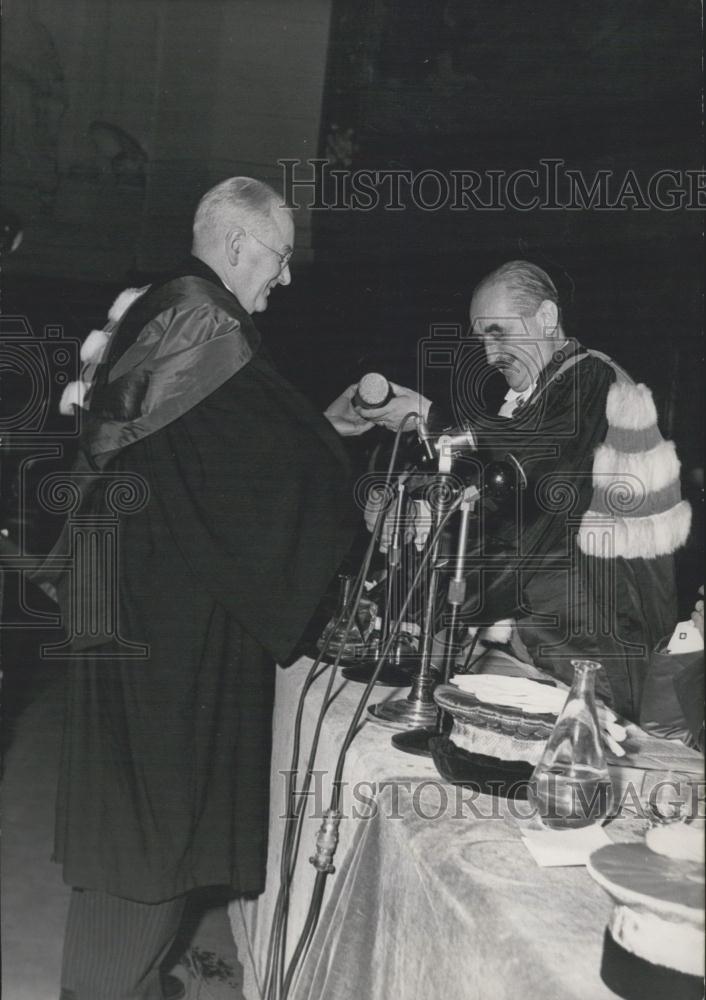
(570, 786)
(333, 637)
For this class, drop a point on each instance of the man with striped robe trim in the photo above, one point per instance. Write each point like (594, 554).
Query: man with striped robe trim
(586, 568)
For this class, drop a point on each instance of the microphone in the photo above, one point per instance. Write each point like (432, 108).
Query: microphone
(373, 392)
(496, 482)
(425, 438)
(503, 477)
(450, 445)
(446, 446)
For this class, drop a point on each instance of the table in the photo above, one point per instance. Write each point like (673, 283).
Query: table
(434, 894)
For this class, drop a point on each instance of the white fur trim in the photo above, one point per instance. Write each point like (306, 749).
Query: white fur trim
(124, 301)
(635, 537)
(73, 395)
(500, 632)
(630, 406)
(672, 942)
(93, 346)
(654, 469)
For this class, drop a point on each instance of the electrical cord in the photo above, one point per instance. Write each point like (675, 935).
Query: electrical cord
(293, 830)
(378, 666)
(317, 894)
(296, 797)
(351, 614)
(294, 810)
(471, 651)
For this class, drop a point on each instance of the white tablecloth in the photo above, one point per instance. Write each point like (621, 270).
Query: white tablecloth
(433, 895)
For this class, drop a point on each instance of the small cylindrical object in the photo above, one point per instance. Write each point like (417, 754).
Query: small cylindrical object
(344, 591)
(373, 392)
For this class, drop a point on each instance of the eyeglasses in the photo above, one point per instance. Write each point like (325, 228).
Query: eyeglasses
(284, 258)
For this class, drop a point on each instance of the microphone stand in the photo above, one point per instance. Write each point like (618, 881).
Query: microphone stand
(416, 741)
(498, 484)
(419, 707)
(392, 673)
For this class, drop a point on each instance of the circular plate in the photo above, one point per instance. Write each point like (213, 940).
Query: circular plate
(633, 874)
(466, 709)
(519, 694)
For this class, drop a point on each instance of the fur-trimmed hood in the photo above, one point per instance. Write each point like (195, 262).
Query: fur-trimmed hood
(93, 349)
(636, 510)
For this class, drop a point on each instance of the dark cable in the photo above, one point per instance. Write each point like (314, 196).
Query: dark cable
(469, 655)
(295, 810)
(317, 894)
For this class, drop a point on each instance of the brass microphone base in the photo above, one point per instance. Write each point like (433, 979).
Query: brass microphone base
(417, 710)
(404, 713)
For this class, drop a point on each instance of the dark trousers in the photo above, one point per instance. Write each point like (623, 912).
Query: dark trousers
(113, 947)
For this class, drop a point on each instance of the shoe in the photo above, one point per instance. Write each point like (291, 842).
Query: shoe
(172, 987)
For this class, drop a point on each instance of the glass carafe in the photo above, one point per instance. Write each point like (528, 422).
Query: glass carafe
(570, 786)
(333, 637)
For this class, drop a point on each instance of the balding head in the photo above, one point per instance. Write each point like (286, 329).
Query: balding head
(515, 311)
(526, 284)
(245, 233)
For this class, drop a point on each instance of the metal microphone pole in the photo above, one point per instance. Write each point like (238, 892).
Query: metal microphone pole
(418, 708)
(392, 673)
(501, 481)
(327, 837)
(416, 741)
(393, 563)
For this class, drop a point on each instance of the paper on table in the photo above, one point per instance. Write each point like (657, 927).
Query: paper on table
(653, 753)
(564, 848)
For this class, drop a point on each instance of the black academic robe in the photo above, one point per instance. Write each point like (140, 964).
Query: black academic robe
(527, 563)
(164, 777)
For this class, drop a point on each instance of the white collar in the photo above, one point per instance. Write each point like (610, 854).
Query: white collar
(512, 398)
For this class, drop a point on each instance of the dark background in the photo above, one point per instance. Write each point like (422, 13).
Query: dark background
(196, 91)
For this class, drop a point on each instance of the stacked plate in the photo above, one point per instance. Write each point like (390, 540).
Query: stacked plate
(510, 718)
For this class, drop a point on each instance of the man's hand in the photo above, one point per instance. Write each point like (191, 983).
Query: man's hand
(392, 415)
(344, 418)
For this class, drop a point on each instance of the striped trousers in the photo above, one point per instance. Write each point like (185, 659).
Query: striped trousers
(113, 947)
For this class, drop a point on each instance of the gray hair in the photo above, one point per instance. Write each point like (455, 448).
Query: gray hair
(241, 200)
(528, 285)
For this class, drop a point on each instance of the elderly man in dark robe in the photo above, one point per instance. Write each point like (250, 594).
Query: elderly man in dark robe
(584, 565)
(164, 778)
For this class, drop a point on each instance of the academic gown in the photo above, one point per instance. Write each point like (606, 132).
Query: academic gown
(164, 776)
(566, 604)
